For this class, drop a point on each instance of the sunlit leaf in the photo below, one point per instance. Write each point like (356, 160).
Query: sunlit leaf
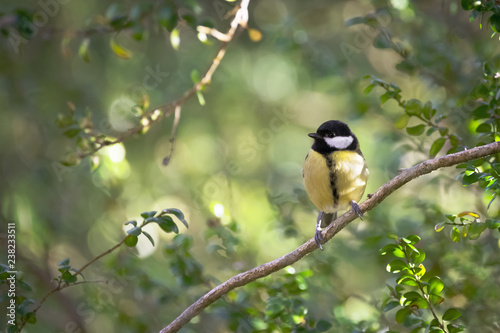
(120, 51)
(474, 215)
(254, 35)
(435, 286)
(439, 226)
(455, 234)
(402, 122)
(83, 50)
(175, 39)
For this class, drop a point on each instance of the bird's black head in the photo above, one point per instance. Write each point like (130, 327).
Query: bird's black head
(333, 135)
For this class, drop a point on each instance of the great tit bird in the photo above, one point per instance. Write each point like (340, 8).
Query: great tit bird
(335, 173)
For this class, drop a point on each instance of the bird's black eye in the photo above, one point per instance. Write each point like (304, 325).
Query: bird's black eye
(330, 135)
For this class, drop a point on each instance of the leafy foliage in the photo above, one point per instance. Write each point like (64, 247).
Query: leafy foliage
(417, 290)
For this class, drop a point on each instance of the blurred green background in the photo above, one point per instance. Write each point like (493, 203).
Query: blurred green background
(236, 168)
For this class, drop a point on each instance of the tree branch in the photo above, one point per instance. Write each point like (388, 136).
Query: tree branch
(165, 110)
(376, 198)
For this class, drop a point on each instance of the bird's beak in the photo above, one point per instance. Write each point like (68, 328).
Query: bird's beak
(314, 135)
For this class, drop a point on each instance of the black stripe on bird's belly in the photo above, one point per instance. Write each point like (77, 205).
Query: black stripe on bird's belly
(333, 179)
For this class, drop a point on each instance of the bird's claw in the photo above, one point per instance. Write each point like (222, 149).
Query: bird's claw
(356, 209)
(318, 238)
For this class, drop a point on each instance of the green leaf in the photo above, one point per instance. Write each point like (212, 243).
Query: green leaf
(63, 262)
(402, 122)
(355, 21)
(468, 4)
(392, 249)
(131, 241)
(405, 66)
(72, 132)
(455, 234)
(195, 76)
(439, 226)
(451, 314)
(402, 314)
(178, 214)
(427, 110)
(414, 239)
(30, 318)
(492, 224)
(134, 223)
(323, 326)
(416, 130)
(435, 286)
(385, 97)
(465, 231)
(392, 236)
(83, 50)
(168, 225)
(151, 219)
(120, 51)
(483, 128)
(148, 236)
(454, 140)
(168, 17)
(175, 39)
(68, 277)
(391, 305)
(412, 295)
(418, 257)
(148, 214)
(495, 22)
(136, 231)
(453, 328)
(407, 280)
(476, 229)
(435, 299)
(452, 218)
(201, 99)
(437, 146)
(368, 89)
(481, 112)
(414, 107)
(396, 266)
(137, 32)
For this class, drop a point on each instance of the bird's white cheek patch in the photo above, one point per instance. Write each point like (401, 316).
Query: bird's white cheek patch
(339, 142)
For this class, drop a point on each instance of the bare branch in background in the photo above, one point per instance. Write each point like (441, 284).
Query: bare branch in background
(158, 113)
(177, 117)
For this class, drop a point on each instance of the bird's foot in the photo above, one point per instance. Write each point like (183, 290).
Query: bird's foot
(356, 209)
(318, 238)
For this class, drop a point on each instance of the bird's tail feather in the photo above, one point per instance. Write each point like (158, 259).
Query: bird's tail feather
(327, 218)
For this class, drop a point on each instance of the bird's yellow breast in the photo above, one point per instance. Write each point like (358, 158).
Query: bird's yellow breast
(334, 180)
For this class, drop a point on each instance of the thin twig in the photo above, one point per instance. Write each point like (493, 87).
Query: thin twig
(240, 19)
(177, 117)
(60, 286)
(376, 198)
